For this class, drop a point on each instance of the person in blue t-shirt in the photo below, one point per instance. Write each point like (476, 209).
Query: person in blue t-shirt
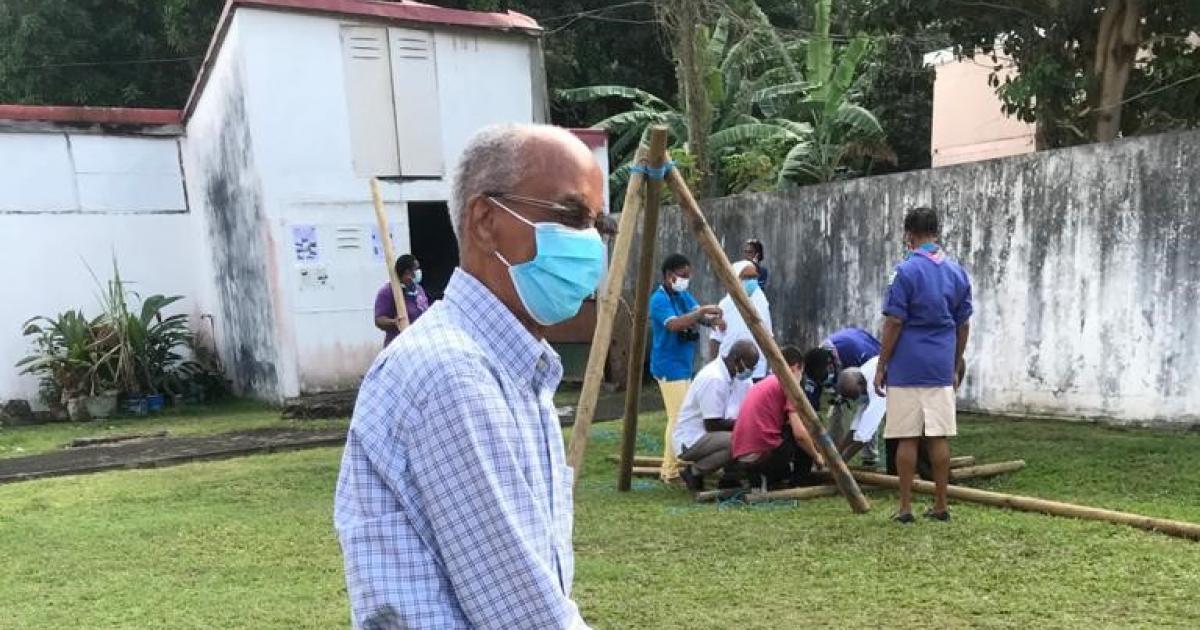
(851, 347)
(674, 318)
(926, 313)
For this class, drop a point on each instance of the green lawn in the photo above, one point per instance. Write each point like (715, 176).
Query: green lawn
(232, 416)
(248, 543)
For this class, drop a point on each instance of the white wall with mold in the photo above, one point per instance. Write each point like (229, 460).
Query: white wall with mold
(74, 201)
(300, 125)
(1083, 260)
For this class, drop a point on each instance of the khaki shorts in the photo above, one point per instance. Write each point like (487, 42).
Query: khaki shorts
(920, 411)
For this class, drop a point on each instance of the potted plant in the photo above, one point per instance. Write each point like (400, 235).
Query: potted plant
(74, 362)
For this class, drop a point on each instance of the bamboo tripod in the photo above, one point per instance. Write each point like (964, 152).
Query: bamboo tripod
(650, 177)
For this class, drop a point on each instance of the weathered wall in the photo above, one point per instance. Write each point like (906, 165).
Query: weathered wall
(70, 201)
(1084, 263)
(231, 226)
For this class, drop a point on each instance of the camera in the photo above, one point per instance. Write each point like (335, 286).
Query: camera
(690, 334)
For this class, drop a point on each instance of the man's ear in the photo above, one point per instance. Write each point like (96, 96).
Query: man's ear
(480, 222)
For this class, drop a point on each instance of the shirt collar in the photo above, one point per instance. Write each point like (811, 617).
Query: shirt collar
(495, 328)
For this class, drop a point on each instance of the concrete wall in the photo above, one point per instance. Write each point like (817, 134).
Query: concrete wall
(70, 201)
(1083, 262)
(968, 121)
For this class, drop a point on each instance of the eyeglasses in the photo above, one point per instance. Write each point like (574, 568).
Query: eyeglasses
(572, 213)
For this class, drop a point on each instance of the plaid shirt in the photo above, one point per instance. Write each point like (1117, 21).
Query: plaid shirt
(453, 504)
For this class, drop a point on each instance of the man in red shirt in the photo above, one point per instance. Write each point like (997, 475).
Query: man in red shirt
(769, 438)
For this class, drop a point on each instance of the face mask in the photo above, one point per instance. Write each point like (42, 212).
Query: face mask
(566, 269)
(750, 285)
(680, 284)
(744, 373)
(417, 277)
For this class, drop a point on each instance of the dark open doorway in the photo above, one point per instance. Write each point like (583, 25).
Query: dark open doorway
(431, 236)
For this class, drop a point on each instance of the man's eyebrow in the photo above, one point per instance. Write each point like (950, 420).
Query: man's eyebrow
(576, 204)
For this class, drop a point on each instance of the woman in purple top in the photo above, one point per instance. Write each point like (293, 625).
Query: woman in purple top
(415, 300)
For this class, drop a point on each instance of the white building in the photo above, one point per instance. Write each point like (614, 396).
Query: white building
(253, 201)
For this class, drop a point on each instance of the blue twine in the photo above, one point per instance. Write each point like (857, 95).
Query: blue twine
(652, 172)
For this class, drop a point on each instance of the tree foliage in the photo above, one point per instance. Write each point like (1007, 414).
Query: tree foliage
(1086, 69)
(102, 52)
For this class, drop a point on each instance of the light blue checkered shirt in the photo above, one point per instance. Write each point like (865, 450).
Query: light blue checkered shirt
(453, 504)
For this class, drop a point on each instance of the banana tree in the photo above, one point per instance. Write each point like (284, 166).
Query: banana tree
(731, 77)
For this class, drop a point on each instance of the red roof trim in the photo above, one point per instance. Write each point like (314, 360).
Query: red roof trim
(396, 11)
(594, 138)
(98, 115)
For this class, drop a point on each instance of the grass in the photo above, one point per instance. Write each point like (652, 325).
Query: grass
(231, 416)
(248, 543)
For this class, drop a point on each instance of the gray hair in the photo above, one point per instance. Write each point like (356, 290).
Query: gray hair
(494, 160)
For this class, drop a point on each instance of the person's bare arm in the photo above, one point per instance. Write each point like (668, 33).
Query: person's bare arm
(385, 323)
(960, 346)
(804, 439)
(891, 334)
(718, 424)
(697, 316)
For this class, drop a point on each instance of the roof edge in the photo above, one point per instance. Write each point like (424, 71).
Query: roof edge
(371, 9)
(95, 115)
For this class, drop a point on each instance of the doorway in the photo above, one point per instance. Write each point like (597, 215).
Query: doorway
(431, 237)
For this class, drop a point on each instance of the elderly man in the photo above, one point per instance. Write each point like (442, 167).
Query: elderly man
(454, 502)
(926, 309)
(736, 329)
(702, 434)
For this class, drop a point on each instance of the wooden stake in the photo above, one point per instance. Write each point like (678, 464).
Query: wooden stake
(647, 461)
(986, 470)
(637, 351)
(962, 461)
(1181, 529)
(721, 266)
(389, 256)
(606, 314)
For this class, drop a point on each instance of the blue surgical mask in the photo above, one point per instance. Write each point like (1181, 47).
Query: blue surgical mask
(750, 285)
(417, 277)
(744, 374)
(566, 269)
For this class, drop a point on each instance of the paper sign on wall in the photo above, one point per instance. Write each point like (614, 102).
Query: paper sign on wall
(304, 243)
(314, 278)
(377, 244)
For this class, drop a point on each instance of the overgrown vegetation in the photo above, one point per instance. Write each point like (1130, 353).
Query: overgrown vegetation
(134, 348)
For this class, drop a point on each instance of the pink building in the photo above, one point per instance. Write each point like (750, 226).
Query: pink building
(968, 123)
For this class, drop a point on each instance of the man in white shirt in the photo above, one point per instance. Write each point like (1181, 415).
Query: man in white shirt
(721, 341)
(703, 430)
(853, 385)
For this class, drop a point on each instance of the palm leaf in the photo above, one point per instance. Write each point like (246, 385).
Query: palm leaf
(843, 76)
(819, 58)
(598, 92)
(742, 134)
(858, 119)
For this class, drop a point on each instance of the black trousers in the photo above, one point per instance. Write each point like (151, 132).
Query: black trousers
(788, 462)
(924, 465)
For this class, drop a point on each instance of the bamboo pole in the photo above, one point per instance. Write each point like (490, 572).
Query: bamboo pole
(606, 314)
(389, 256)
(647, 461)
(645, 471)
(986, 470)
(962, 461)
(721, 266)
(1181, 529)
(645, 270)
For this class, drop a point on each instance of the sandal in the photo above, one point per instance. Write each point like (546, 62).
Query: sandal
(904, 518)
(943, 516)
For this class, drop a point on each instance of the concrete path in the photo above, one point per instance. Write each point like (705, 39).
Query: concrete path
(164, 451)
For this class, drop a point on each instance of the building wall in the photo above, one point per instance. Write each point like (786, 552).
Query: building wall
(968, 122)
(70, 202)
(298, 119)
(239, 274)
(1083, 262)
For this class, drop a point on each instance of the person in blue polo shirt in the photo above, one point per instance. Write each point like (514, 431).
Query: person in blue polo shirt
(674, 318)
(926, 312)
(851, 348)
